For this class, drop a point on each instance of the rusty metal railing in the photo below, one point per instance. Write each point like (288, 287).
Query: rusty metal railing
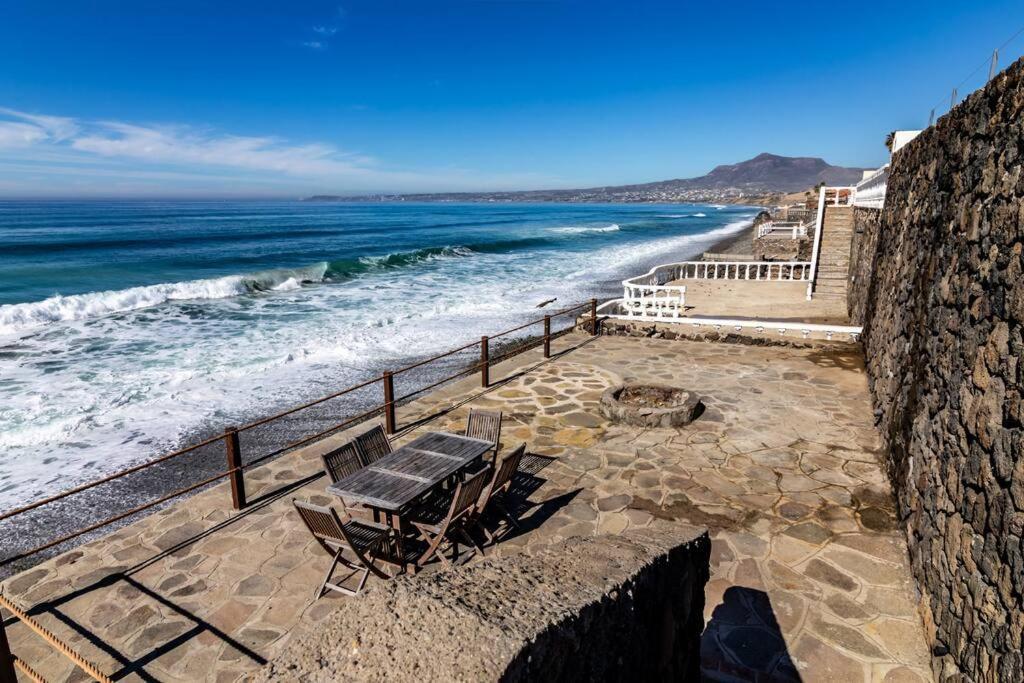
(235, 470)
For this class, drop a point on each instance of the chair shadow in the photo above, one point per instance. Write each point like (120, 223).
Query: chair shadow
(136, 665)
(743, 639)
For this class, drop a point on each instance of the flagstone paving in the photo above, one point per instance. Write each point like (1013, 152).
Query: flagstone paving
(809, 570)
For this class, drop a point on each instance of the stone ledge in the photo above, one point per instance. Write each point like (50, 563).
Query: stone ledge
(587, 608)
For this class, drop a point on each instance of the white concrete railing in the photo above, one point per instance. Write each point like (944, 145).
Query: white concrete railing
(870, 192)
(792, 229)
(649, 295)
(795, 271)
(614, 309)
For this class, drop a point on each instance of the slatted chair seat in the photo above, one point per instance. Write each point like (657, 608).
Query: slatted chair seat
(485, 425)
(373, 445)
(362, 540)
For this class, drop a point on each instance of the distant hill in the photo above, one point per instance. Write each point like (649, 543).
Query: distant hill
(765, 174)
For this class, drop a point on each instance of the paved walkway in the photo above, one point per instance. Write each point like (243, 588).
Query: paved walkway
(809, 576)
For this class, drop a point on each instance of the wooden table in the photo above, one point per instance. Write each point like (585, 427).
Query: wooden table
(392, 485)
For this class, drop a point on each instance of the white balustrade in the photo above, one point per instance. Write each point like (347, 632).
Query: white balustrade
(649, 295)
(795, 271)
(792, 229)
(871, 191)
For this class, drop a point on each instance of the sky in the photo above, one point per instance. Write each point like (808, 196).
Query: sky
(136, 98)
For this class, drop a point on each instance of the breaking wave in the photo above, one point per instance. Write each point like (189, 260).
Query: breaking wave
(16, 318)
(574, 230)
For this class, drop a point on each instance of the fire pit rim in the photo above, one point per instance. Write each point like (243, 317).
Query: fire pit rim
(679, 415)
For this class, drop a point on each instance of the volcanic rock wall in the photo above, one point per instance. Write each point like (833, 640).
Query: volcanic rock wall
(938, 282)
(606, 608)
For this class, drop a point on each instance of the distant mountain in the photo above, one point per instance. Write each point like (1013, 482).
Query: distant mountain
(765, 174)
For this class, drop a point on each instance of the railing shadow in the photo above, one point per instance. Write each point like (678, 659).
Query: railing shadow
(743, 639)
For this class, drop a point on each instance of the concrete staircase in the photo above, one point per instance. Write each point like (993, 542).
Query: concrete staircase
(834, 258)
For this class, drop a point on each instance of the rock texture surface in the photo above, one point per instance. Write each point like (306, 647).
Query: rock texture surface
(612, 608)
(939, 284)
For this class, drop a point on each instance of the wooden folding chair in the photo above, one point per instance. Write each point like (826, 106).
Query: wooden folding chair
(437, 522)
(342, 462)
(498, 489)
(361, 539)
(373, 445)
(486, 425)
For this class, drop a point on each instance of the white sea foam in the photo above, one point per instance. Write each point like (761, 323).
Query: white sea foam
(15, 318)
(700, 215)
(122, 388)
(576, 230)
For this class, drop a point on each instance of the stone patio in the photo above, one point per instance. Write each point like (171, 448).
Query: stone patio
(809, 571)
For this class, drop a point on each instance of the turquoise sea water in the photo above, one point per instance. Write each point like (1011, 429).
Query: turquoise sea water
(126, 327)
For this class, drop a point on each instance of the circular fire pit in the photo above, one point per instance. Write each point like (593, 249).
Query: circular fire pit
(650, 405)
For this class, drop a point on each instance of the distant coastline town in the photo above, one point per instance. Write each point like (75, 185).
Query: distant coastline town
(763, 180)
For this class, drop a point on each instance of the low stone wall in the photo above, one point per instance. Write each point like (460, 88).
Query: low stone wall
(609, 608)
(938, 281)
(727, 335)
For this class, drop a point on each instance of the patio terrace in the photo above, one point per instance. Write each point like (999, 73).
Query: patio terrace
(809, 570)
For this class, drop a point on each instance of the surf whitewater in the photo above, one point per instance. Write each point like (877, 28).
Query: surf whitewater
(127, 329)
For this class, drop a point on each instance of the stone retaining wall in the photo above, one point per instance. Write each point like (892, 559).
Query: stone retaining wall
(727, 335)
(599, 608)
(938, 280)
(776, 248)
(863, 252)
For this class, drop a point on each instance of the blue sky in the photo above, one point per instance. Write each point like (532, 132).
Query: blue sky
(285, 99)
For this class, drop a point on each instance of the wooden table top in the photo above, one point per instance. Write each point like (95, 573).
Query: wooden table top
(402, 476)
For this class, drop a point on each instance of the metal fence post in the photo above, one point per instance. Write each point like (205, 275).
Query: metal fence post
(234, 453)
(389, 402)
(593, 317)
(7, 674)
(485, 363)
(547, 336)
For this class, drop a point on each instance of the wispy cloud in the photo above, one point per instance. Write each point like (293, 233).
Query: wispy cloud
(41, 154)
(183, 145)
(27, 129)
(325, 30)
(315, 44)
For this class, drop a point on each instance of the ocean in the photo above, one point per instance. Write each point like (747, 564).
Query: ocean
(128, 329)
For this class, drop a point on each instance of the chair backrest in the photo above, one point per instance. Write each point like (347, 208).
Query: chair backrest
(484, 424)
(342, 462)
(508, 468)
(373, 445)
(467, 493)
(503, 473)
(323, 523)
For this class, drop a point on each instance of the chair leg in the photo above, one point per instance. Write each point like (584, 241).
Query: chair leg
(330, 572)
(469, 540)
(432, 548)
(507, 515)
(488, 536)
